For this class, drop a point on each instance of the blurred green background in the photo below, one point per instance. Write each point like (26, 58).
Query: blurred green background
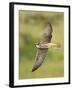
(31, 28)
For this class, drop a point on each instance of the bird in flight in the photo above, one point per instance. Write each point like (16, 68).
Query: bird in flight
(43, 46)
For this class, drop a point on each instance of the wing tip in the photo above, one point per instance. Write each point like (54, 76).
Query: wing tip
(33, 69)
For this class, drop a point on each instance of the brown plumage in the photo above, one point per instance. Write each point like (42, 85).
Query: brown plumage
(42, 52)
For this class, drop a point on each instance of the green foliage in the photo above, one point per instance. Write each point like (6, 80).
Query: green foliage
(31, 24)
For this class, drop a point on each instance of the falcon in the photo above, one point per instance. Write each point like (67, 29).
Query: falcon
(43, 46)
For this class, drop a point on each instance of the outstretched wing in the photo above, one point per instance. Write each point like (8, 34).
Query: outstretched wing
(41, 53)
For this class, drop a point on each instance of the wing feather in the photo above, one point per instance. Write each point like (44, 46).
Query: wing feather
(41, 53)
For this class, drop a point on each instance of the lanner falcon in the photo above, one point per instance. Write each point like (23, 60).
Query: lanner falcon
(43, 46)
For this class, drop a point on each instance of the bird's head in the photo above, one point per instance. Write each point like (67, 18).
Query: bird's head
(37, 45)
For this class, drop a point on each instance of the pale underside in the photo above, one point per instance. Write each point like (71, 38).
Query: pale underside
(42, 52)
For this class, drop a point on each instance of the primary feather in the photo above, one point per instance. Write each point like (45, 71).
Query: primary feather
(41, 53)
